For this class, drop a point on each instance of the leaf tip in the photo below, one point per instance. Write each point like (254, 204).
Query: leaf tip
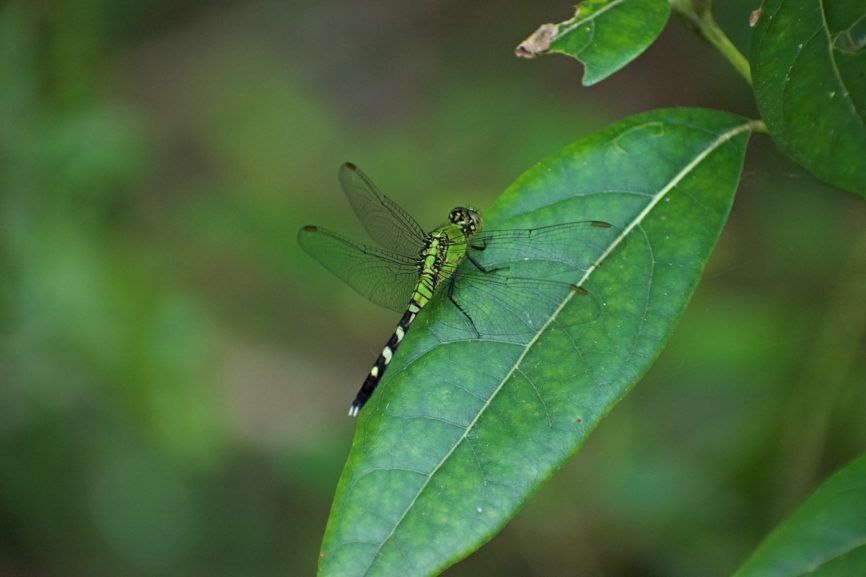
(538, 42)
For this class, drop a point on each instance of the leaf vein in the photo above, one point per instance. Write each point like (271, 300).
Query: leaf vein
(540, 398)
(577, 23)
(835, 66)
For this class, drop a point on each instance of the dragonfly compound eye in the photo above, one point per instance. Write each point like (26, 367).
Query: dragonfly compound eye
(475, 221)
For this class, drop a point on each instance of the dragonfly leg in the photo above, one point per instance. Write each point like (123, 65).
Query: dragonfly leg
(481, 267)
(462, 311)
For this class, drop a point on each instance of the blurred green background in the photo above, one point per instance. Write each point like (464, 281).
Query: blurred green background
(174, 372)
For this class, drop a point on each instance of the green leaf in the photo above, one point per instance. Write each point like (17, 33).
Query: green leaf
(461, 431)
(604, 34)
(826, 535)
(809, 68)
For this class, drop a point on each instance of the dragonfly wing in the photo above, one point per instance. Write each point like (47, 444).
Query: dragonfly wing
(386, 223)
(381, 276)
(574, 245)
(496, 305)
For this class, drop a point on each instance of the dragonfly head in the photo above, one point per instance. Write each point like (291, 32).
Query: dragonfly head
(467, 218)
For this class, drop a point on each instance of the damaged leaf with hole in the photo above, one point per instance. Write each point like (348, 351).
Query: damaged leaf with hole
(604, 35)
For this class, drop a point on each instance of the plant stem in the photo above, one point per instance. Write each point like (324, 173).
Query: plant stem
(759, 126)
(697, 12)
(711, 31)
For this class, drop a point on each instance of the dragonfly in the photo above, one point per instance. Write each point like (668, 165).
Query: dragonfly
(493, 284)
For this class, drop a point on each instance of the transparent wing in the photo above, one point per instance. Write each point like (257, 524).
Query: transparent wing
(573, 244)
(386, 223)
(381, 276)
(510, 307)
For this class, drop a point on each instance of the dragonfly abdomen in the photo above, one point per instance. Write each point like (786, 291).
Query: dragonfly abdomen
(375, 374)
(434, 268)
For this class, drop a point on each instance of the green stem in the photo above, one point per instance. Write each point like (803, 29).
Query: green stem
(759, 126)
(697, 12)
(711, 31)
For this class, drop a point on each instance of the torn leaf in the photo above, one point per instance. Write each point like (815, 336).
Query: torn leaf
(538, 41)
(604, 35)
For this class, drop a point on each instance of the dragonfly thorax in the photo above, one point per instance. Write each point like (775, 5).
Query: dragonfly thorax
(442, 252)
(434, 252)
(467, 218)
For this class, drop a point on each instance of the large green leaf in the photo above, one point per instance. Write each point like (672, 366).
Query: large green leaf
(462, 430)
(809, 69)
(604, 34)
(826, 535)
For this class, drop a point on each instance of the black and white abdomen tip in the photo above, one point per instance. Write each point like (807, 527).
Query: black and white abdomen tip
(372, 380)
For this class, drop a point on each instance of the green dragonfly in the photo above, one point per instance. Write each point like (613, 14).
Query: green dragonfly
(493, 284)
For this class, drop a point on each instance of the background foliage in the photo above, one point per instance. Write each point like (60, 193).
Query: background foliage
(174, 371)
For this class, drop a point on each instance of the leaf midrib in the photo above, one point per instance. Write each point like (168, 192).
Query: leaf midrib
(580, 22)
(625, 232)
